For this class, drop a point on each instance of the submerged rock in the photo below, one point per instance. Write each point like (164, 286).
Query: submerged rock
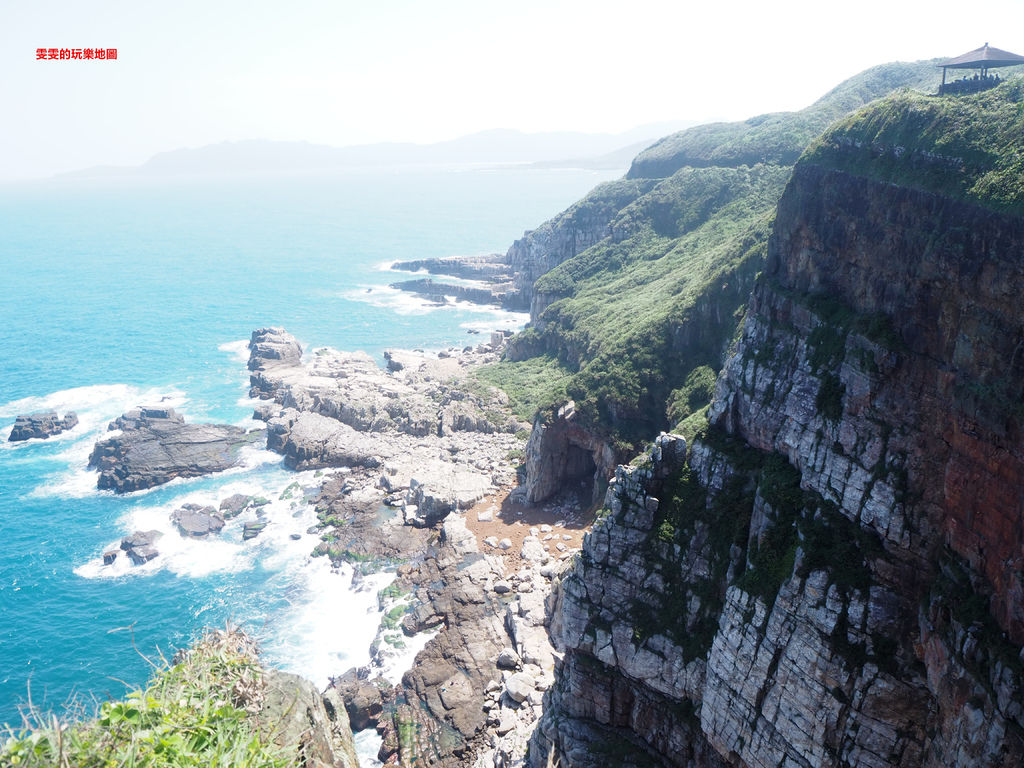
(41, 425)
(156, 446)
(234, 505)
(253, 529)
(197, 522)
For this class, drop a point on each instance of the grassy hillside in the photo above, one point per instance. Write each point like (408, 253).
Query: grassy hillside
(779, 137)
(969, 147)
(197, 712)
(696, 232)
(641, 320)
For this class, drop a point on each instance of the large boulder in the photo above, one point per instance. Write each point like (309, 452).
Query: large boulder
(311, 729)
(41, 425)
(156, 445)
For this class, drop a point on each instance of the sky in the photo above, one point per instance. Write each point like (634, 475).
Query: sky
(195, 72)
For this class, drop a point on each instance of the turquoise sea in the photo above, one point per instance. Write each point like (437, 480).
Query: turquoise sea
(128, 292)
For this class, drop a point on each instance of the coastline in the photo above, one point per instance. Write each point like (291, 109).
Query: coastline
(419, 448)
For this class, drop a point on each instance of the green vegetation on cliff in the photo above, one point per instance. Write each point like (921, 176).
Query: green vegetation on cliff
(196, 712)
(696, 243)
(622, 326)
(967, 147)
(779, 137)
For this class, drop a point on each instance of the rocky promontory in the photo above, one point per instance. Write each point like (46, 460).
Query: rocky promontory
(435, 439)
(41, 425)
(489, 267)
(155, 445)
(493, 293)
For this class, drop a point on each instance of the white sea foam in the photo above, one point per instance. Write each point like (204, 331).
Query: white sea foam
(493, 319)
(386, 297)
(400, 660)
(331, 626)
(95, 406)
(239, 350)
(389, 266)
(486, 318)
(367, 745)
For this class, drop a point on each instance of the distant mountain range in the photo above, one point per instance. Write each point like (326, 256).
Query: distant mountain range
(498, 146)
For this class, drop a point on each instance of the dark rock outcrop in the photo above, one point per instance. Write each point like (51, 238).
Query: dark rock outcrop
(252, 529)
(156, 446)
(561, 454)
(41, 425)
(139, 546)
(440, 291)
(234, 505)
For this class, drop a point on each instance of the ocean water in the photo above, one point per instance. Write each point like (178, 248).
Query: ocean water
(122, 293)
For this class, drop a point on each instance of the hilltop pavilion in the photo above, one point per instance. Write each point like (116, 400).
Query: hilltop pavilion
(983, 59)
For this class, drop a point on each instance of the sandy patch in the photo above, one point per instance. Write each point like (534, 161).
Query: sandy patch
(568, 521)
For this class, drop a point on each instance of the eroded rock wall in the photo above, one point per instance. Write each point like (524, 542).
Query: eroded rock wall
(832, 575)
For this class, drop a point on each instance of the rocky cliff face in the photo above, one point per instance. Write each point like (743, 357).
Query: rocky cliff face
(832, 573)
(558, 240)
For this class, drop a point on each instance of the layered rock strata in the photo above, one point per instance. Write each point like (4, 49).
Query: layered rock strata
(474, 692)
(561, 454)
(155, 445)
(832, 575)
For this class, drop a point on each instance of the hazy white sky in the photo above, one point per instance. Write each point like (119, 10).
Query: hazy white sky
(194, 72)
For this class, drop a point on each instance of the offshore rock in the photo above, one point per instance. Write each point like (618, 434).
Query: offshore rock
(139, 547)
(440, 291)
(489, 267)
(234, 505)
(156, 445)
(41, 425)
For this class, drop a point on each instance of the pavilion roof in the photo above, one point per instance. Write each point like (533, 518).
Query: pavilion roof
(984, 57)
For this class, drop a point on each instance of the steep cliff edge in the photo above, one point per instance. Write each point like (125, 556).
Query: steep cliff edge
(636, 291)
(832, 572)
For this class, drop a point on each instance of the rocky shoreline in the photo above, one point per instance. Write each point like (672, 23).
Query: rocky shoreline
(421, 464)
(426, 459)
(492, 274)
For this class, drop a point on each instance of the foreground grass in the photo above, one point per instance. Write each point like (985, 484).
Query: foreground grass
(196, 712)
